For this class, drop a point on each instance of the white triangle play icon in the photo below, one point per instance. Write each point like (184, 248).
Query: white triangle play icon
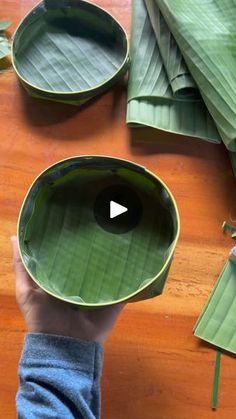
(116, 209)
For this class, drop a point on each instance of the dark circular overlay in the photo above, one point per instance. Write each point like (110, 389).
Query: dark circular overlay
(122, 195)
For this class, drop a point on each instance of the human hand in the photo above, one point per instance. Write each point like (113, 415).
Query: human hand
(46, 314)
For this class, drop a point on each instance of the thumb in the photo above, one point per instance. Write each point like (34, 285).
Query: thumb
(23, 282)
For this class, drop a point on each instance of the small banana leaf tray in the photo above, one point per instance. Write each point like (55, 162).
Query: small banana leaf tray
(69, 51)
(69, 255)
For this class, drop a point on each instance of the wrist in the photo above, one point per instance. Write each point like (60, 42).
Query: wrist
(60, 351)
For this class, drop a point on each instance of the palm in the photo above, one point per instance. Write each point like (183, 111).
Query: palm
(46, 314)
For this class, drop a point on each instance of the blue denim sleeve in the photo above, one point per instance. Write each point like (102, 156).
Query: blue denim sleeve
(59, 378)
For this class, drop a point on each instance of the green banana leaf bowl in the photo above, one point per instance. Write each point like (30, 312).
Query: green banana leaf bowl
(69, 51)
(72, 256)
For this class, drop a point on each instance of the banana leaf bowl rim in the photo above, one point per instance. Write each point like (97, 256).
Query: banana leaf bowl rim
(130, 296)
(95, 88)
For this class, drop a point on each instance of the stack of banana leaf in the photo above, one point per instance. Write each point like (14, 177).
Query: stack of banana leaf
(183, 62)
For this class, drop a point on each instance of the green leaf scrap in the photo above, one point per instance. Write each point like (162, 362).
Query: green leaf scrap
(5, 48)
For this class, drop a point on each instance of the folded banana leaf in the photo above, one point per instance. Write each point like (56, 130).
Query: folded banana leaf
(69, 51)
(205, 33)
(161, 91)
(178, 74)
(217, 322)
(5, 48)
(67, 252)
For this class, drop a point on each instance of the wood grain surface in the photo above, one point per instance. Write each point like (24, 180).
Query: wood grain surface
(154, 367)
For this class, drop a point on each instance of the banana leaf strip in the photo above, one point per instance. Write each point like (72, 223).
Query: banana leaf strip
(161, 92)
(216, 381)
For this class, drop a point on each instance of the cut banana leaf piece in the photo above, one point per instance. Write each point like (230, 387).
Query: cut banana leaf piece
(72, 256)
(69, 51)
(204, 32)
(151, 100)
(217, 322)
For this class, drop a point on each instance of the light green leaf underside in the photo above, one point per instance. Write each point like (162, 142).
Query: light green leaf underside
(71, 256)
(150, 98)
(217, 323)
(5, 48)
(69, 50)
(205, 33)
(4, 24)
(228, 227)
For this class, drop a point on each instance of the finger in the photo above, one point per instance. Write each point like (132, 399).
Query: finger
(23, 282)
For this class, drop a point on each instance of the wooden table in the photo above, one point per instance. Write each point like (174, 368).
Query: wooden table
(154, 367)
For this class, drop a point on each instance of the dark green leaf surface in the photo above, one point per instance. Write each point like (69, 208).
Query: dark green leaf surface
(151, 100)
(217, 323)
(69, 53)
(71, 256)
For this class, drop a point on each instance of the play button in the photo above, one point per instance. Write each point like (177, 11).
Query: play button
(118, 209)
